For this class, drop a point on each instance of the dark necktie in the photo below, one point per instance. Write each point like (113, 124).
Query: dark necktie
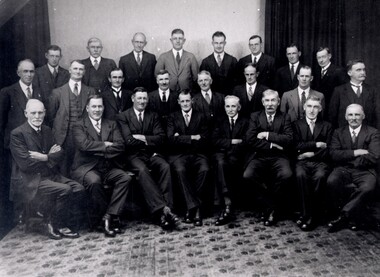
(97, 127)
(358, 91)
(254, 61)
(232, 125)
(303, 100)
(207, 98)
(292, 72)
(270, 120)
(28, 93)
(96, 64)
(76, 91)
(164, 96)
(118, 98)
(55, 74)
(138, 59)
(250, 93)
(140, 118)
(353, 137)
(219, 60)
(178, 59)
(323, 73)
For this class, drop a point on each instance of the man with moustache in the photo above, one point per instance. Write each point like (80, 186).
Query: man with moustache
(312, 136)
(269, 136)
(143, 136)
(115, 98)
(182, 65)
(293, 101)
(98, 143)
(66, 105)
(250, 94)
(355, 151)
(286, 76)
(229, 140)
(51, 75)
(221, 65)
(38, 181)
(164, 100)
(138, 66)
(97, 68)
(355, 92)
(188, 136)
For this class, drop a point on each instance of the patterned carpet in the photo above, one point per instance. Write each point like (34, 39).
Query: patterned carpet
(245, 248)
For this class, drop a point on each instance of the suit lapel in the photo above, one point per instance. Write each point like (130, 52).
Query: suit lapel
(263, 120)
(33, 136)
(143, 62)
(365, 93)
(277, 122)
(173, 63)
(84, 95)
(183, 62)
(111, 99)
(134, 120)
(294, 99)
(21, 98)
(317, 128)
(90, 129)
(361, 136)
(105, 130)
(347, 137)
(66, 97)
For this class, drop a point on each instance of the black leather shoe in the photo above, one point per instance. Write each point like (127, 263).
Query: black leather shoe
(108, 232)
(300, 221)
(271, 219)
(338, 224)
(52, 233)
(308, 225)
(68, 233)
(116, 226)
(225, 217)
(189, 217)
(198, 218)
(164, 223)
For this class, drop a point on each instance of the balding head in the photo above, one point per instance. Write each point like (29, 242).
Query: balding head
(25, 70)
(35, 112)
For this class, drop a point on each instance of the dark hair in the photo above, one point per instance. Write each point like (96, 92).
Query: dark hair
(93, 96)
(256, 36)
(115, 69)
(162, 72)
(324, 48)
(185, 92)
(219, 34)
(178, 31)
(293, 45)
(54, 48)
(351, 63)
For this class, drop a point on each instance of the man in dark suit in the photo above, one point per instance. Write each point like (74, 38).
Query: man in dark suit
(182, 65)
(358, 92)
(97, 67)
(188, 136)
(51, 75)
(293, 101)
(327, 76)
(138, 66)
(163, 101)
(312, 136)
(251, 93)
(221, 65)
(143, 136)
(35, 175)
(66, 105)
(12, 106)
(355, 150)
(208, 102)
(286, 76)
(264, 63)
(269, 135)
(230, 148)
(115, 98)
(98, 142)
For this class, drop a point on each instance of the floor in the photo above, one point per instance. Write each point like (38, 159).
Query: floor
(244, 248)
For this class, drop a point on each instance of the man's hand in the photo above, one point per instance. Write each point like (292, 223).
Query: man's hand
(236, 141)
(55, 148)
(305, 155)
(275, 145)
(108, 143)
(321, 144)
(360, 152)
(196, 137)
(140, 137)
(262, 135)
(38, 156)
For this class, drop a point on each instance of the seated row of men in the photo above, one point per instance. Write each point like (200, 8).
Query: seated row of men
(259, 149)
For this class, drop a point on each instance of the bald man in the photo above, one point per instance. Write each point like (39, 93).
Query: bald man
(138, 66)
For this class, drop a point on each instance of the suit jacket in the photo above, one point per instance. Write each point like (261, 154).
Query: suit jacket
(183, 144)
(343, 155)
(290, 102)
(151, 129)
(282, 135)
(138, 76)
(155, 105)
(98, 79)
(110, 105)
(283, 80)
(265, 67)
(182, 77)
(322, 133)
(344, 95)
(334, 76)
(223, 77)
(248, 107)
(27, 172)
(45, 80)
(212, 111)
(12, 106)
(59, 109)
(222, 136)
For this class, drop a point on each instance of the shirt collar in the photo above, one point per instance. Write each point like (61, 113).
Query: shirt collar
(309, 120)
(52, 68)
(253, 86)
(204, 93)
(137, 113)
(93, 59)
(273, 115)
(257, 57)
(357, 130)
(295, 65)
(116, 89)
(189, 113)
(234, 118)
(24, 87)
(221, 55)
(356, 85)
(327, 66)
(175, 53)
(135, 53)
(94, 121)
(72, 84)
(167, 92)
(307, 91)
(34, 128)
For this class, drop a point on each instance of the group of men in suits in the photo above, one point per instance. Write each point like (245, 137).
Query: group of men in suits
(168, 130)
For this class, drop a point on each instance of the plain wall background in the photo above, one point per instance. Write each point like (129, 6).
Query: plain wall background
(73, 22)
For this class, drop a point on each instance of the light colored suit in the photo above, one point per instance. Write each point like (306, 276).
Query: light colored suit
(181, 77)
(290, 102)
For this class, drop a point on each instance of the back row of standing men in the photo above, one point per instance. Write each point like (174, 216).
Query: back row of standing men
(176, 71)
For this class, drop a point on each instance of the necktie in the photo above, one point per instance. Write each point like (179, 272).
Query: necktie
(96, 64)
(207, 98)
(76, 91)
(353, 137)
(270, 120)
(232, 124)
(187, 119)
(323, 73)
(250, 93)
(163, 96)
(254, 61)
(55, 73)
(97, 127)
(138, 59)
(178, 59)
(118, 98)
(28, 93)
(219, 60)
(38, 132)
(140, 118)
(303, 100)
(312, 126)
(358, 91)
(292, 72)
